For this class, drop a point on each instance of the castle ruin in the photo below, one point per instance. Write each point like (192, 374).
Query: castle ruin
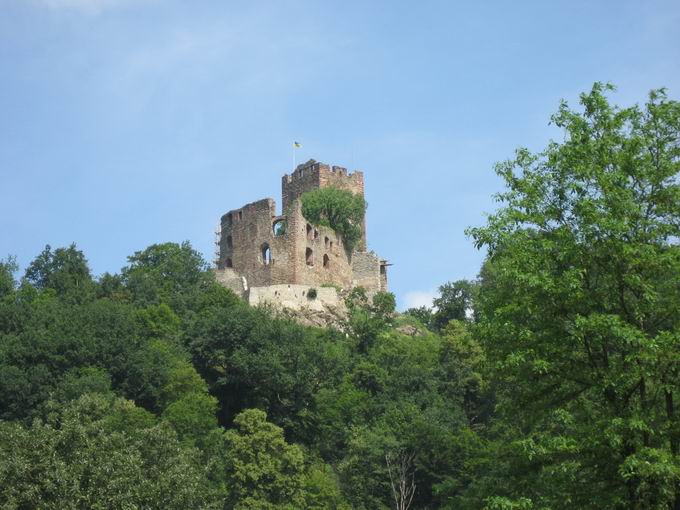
(265, 256)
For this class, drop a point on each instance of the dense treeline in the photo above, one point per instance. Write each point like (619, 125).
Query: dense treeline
(551, 382)
(157, 387)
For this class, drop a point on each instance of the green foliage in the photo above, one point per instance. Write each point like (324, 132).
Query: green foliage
(263, 470)
(322, 489)
(7, 269)
(339, 209)
(191, 360)
(578, 311)
(331, 286)
(166, 273)
(192, 416)
(79, 381)
(463, 368)
(48, 338)
(367, 320)
(253, 360)
(455, 302)
(159, 322)
(75, 460)
(65, 271)
(311, 293)
(422, 314)
(158, 374)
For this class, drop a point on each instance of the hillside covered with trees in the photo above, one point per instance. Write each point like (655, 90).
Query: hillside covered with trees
(550, 382)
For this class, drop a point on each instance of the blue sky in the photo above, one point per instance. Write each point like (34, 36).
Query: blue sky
(130, 122)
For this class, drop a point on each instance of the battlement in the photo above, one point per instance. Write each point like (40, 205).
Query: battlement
(315, 167)
(313, 175)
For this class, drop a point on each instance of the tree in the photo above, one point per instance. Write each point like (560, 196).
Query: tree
(455, 302)
(77, 460)
(400, 466)
(367, 320)
(168, 273)
(322, 489)
(579, 309)
(339, 209)
(263, 470)
(193, 417)
(63, 270)
(462, 364)
(7, 269)
(423, 314)
(159, 373)
(50, 339)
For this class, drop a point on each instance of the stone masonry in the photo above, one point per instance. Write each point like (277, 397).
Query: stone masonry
(259, 248)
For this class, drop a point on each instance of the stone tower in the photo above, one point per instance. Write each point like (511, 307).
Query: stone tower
(258, 248)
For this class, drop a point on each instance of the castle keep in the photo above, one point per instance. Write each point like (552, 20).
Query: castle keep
(268, 257)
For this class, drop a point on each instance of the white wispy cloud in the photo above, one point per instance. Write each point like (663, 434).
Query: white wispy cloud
(417, 298)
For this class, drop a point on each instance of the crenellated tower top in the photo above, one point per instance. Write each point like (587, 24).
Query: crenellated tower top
(313, 174)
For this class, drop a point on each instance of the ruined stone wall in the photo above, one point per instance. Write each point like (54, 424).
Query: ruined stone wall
(295, 297)
(248, 244)
(302, 254)
(383, 276)
(231, 280)
(366, 270)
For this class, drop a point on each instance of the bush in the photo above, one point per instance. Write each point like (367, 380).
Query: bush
(339, 209)
(311, 293)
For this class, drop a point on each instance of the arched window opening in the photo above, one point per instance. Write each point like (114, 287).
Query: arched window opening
(310, 233)
(326, 242)
(279, 227)
(230, 243)
(240, 215)
(266, 254)
(230, 219)
(309, 257)
(316, 234)
(229, 263)
(326, 261)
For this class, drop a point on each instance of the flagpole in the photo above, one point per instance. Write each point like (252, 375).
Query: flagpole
(296, 145)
